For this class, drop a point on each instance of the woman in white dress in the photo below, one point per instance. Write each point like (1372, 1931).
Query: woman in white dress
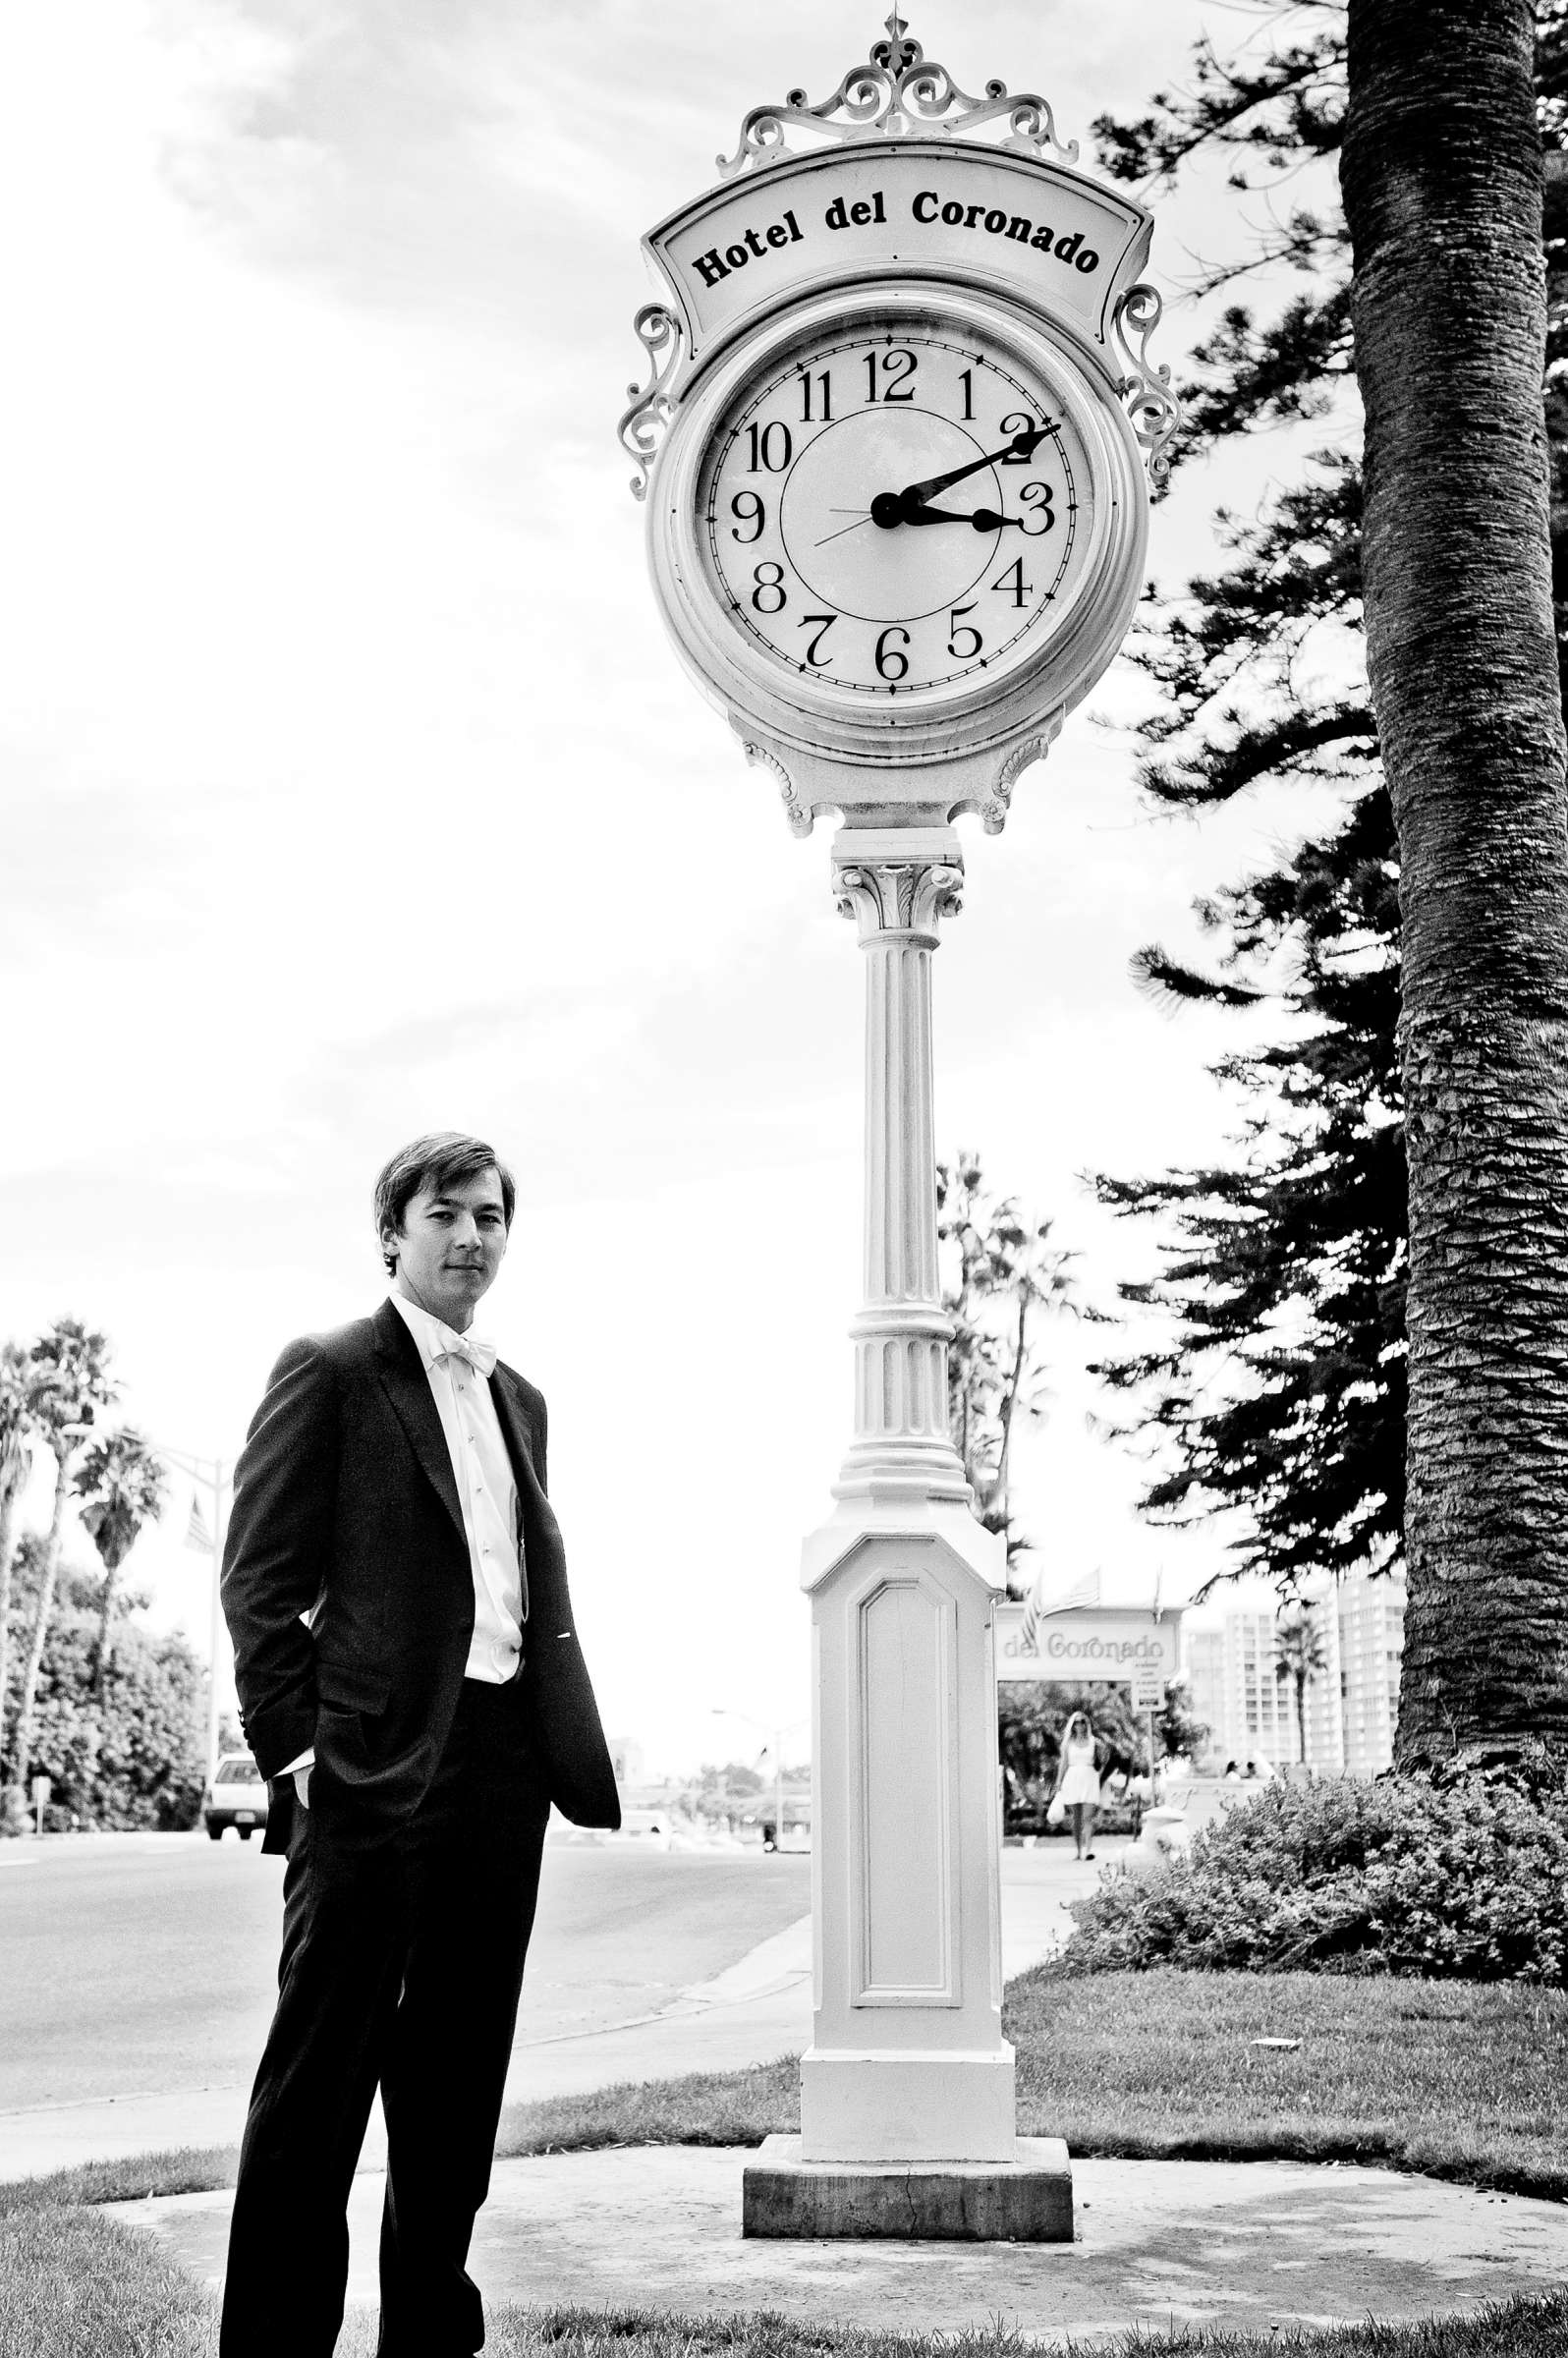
(1078, 1780)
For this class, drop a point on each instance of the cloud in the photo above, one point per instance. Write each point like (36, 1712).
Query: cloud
(353, 789)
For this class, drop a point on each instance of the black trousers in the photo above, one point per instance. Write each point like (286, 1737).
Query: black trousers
(402, 1965)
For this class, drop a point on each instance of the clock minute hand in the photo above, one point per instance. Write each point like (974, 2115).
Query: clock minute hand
(1022, 446)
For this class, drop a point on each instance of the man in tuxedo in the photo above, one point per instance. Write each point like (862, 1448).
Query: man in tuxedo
(413, 1689)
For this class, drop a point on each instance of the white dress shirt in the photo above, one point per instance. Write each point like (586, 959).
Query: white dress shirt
(492, 1520)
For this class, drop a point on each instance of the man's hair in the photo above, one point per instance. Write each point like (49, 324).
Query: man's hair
(438, 1161)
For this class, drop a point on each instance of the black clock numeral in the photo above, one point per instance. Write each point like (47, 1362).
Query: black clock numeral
(1020, 423)
(887, 655)
(966, 377)
(755, 514)
(769, 580)
(1039, 496)
(826, 622)
(890, 375)
(771, 448)
(1013, 580)
(958, 627)
(823, 384)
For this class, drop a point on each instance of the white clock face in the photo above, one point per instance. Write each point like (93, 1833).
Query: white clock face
(898, 513)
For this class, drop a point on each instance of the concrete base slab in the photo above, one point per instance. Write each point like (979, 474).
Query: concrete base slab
(1238, 2244)
(1028, 2200)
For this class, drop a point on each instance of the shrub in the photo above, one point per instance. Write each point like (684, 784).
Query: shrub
(1468, 1880)
(135, 1756)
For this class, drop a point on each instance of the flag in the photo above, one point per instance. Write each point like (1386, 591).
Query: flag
(197, 1534)
(1081, 1597)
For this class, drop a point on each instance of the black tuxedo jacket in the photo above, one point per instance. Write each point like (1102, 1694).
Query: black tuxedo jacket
(344, 1499)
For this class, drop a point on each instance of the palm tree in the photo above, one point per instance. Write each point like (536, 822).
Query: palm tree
(1443, 178)
(1005, 1268)
(120, 1482)
(68, 1385)
(16, 1458)
(1299, 1657)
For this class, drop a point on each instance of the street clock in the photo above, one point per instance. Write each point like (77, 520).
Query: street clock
(898, 439)
(896, 449)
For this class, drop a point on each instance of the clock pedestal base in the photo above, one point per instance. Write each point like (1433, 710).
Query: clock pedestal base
(1028, 2200)
(907, 2061)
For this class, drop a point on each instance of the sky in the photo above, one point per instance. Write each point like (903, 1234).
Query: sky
(351, 790)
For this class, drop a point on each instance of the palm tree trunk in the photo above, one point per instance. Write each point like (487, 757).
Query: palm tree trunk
(100, 1650)
(42, 1617)
(1441, 176)
(10, 1489)
(1300, 1711)
(1009, 1402)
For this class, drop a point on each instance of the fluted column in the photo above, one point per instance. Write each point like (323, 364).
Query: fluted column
(896, 890)
(907, 2061)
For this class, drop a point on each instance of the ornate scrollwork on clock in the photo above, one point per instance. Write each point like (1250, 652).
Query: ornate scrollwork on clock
(797, 815)
(1152, 409)
(996, 805)
(898, 95)
(643, 424)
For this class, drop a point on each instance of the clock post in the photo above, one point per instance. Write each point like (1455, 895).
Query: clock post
(907, 2063)
(896, 447)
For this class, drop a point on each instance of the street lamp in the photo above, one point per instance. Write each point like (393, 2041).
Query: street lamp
(775, 1736)
(209, 1474)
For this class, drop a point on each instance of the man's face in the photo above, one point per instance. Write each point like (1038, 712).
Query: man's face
(450, 1246)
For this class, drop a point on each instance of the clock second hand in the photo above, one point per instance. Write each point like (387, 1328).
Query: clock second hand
(861, 515)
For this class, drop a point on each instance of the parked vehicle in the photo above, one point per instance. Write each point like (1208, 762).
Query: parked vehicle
(649, 1829)
(237, 1797)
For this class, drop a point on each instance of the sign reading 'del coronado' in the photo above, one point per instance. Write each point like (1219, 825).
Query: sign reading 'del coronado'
(1101, 1642)
(1065, 245)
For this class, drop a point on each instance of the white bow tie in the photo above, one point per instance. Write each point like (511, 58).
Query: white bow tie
(481, 1357)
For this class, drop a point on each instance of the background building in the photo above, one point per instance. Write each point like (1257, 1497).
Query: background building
(1370, 1619)
(1352, 1699)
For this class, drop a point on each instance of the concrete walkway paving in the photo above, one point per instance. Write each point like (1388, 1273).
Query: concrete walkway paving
(1242, 2244)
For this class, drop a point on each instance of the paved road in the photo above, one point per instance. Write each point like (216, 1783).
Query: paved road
(134, 1964)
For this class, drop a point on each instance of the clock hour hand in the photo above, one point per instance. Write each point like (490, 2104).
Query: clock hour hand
(983, 520)
(925, 515)
(916, 496)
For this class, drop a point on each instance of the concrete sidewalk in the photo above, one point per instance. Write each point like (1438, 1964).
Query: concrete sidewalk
(760, 2008)
(1241, 2244)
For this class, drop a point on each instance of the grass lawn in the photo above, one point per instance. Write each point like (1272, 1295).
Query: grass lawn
(1463, 2081)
